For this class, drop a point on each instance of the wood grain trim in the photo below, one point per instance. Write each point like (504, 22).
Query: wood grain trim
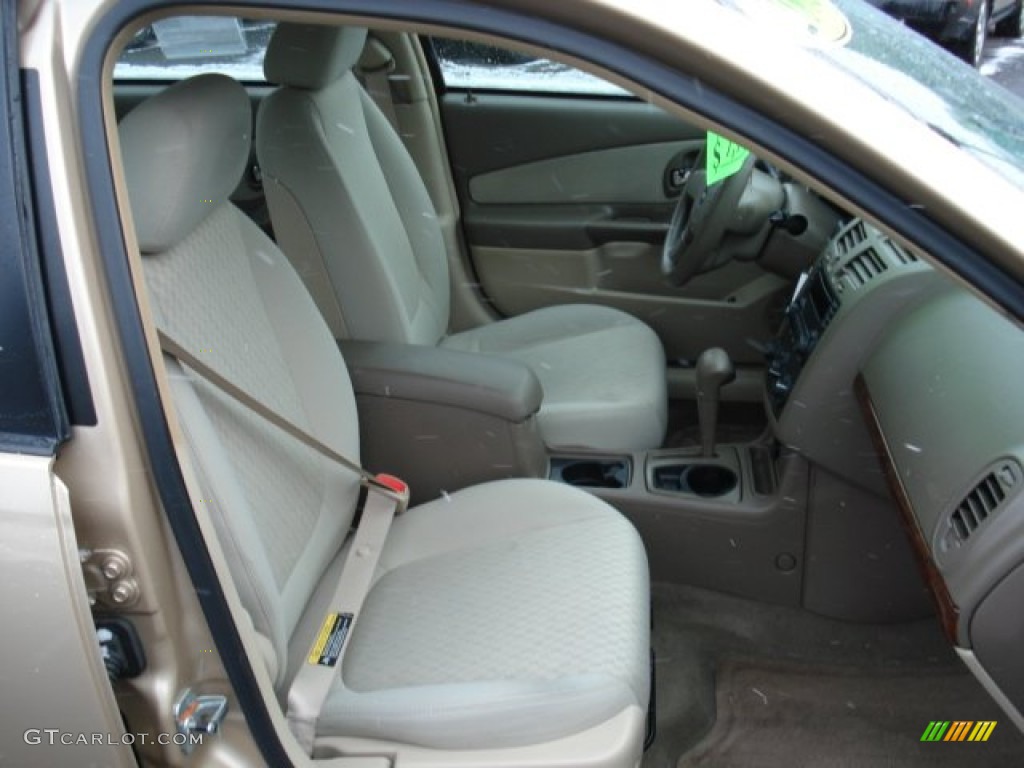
(949, 613)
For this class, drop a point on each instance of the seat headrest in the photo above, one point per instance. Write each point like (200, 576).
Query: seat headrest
(184, 152)
(311, 56)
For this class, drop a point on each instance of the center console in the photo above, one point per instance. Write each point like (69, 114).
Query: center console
(733, 522)
(720, 480)
(801, 515)
(413, 399)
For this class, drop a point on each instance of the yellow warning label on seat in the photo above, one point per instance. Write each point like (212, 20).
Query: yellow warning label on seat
(330, 640)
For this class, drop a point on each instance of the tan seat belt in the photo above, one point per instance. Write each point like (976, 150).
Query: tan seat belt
(387, 496)
(322, 666)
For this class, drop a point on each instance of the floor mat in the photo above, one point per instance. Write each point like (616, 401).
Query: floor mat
(781, 714)
(700, 636)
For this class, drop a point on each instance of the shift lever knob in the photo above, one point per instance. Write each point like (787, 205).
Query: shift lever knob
(714, 369)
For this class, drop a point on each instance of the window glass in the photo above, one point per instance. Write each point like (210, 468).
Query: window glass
(478, 66)
(171, 49)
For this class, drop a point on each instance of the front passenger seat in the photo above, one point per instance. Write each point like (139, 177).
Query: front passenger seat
(504, 624)
(351, 211)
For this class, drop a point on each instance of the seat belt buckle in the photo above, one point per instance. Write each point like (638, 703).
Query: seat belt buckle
(396, 487)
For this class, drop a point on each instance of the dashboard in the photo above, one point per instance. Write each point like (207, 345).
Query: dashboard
(857, 288)
(904, 383)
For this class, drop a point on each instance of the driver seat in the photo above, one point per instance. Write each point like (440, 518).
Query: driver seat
(351, 211)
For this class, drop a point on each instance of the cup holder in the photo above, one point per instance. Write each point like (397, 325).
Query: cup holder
(708, 481)
(591, 473)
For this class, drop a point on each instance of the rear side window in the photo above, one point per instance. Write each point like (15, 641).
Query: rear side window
(183, 46)
(477, 66)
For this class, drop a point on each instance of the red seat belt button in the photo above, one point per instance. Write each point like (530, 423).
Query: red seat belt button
(396, 484)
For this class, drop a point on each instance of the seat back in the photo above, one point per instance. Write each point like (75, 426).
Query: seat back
(223, 290)
(348, 204)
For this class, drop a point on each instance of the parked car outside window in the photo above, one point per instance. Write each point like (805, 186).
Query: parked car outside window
(962, 26)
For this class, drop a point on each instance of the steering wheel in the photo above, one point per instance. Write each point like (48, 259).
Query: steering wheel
(699, 221)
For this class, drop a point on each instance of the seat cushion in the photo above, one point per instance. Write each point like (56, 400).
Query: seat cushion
(602, 371)
(507, 614)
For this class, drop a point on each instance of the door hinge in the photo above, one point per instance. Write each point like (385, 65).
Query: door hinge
(109, 577)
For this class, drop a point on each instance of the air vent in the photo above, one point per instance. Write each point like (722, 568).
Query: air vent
(852, 237)
(865, 266)
(904, 256)
(984, 500)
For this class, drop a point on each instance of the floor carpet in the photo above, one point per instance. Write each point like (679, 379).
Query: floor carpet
(775, 715)
(742, 683)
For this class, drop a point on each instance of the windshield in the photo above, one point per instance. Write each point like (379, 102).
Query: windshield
(911, 71)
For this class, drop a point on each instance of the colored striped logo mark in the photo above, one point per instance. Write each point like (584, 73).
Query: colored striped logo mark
(958, 730)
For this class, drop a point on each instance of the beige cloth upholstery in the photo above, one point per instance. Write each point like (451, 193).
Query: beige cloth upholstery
(166, 211)
(350, 209)
(459, 646)
(330, 173)
(507, 614)
(308, 56)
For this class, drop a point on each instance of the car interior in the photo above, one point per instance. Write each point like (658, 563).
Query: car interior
(702, 472)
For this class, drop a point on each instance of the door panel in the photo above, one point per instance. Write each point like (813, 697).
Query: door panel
(592, 177)
(491, 131)
(566, 199)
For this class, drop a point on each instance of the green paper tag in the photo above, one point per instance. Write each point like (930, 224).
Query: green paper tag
(824, 21)
(808, 6)
(725, 158)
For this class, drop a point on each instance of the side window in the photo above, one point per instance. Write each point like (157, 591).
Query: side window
(179, 47)
(478, 66)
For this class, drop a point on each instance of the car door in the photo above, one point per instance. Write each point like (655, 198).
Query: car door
(567, 184)
(56, 686)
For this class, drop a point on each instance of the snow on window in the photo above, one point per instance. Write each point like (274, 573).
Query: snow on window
(484, 67)
(183, 46)
(172, 49)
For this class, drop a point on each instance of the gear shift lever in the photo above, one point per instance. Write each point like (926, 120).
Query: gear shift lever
(714, 369)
